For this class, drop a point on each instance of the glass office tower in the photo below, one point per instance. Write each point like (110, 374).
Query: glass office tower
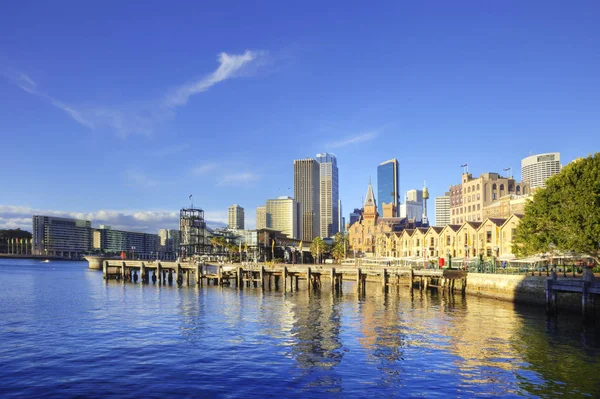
(388, 185)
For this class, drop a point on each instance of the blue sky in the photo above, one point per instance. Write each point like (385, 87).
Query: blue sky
(110, 109)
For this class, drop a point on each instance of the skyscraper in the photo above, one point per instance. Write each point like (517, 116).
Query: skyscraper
(306, 193)
(236, 217)
(442, 210)
(388, 184)
(282, 215)
(536, 169)
(329, 192)
(261, 217)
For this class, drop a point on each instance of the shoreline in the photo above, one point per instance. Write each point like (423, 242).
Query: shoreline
(37, 257)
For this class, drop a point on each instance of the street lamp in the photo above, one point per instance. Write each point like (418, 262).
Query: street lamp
(132, 253)
(449, 260)
(466, 257)
(495, 255)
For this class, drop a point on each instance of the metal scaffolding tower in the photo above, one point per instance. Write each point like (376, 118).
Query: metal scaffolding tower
(192, 227)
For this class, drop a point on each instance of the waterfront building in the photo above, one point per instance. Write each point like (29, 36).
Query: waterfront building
(362, 233)
(466, 240)
(282, 215)
(448, 242)
(442, 210)
(488, 237)
(508, 231)
(69, 238)
(139, 245)
(432, 241)
(506, 206)
(536, 169)
(307, 189)
(261, 217)
(388, 187)
(236, 217)
(469, 198)
(329, 193)
(418, 242)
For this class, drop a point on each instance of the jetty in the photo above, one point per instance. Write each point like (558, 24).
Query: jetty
(587, 286)
(280, 276)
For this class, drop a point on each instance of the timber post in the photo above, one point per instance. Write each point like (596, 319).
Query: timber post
(308, 278)
(285, 276)
(262, 277)
(239, 278)
(333, 278)
(159, 272)
(143, 272)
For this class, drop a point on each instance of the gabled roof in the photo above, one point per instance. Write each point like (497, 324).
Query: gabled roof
(474, 225)
(436, 229)
(370, 198)
(409, 231)
(421, 229)
(514, 215)
(497, 221)
(454, 227)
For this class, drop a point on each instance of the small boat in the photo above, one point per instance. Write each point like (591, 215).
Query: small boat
(46, 261)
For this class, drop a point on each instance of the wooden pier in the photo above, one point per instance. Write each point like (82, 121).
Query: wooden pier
(587, 286)
(281, 277)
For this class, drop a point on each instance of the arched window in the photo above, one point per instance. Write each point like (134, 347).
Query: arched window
(477, 186)
(524, 190)
(502, 187)
(494, 186)
(518, 190)
(469, 189)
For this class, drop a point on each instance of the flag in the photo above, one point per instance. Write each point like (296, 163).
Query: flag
(273, 246)
(507, 168)
(246, 247)
(300, 245)
(463, 165)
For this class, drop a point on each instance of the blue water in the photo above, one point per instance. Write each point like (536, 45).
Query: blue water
(64, 332)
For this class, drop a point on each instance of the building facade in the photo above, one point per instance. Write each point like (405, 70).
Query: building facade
(388, 186)
(355, 216)
(307, 187)
(282, 215)
(329, 193)
(442, 210)
(169, 241)
(468, 199)
(536, 169)
(261, 217)
(139, 245)
(69, 238)
(236, 217)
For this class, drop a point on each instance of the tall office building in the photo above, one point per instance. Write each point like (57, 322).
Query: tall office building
(414, 195)
(442, 210)
(536, 169)
(282, 215)
(388, 185)
(261, 217)
(355, 216)
(341, 226)
(169, 240)
(329, 192)
(236, 217)
(306, 193)
(65, 237)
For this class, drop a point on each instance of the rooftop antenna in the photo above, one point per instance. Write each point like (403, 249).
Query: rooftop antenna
(191, 201)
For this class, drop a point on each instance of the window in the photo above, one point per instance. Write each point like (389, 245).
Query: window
(478, 197)
(489, 252)
(477, 186)
(493, 196)
(447, 240)
(488, 237)
(469, 189)
(469, 208)
(418, 242)
(432, 244)
(494, 186)
(518, 190)
(524, 190)
(478, 207)
(502, 187)
(513, 233)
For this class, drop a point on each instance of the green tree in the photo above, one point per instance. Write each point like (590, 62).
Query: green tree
(318, 247)
(340, 246)
(566, 214)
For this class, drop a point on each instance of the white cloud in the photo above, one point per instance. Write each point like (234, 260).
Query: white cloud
(12, 217)
(359, 138)
(128, 120)
(230, 65)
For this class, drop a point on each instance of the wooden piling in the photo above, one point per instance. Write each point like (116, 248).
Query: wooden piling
(309, 278)
(358, 280)
(123, 271)
(239, 278)
(262, 277)
(285, 276)
(159, 272)
(105, 269)
(143, 272)
(333, 278)
(384, 278)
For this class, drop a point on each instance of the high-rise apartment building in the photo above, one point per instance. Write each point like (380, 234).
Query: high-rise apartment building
(169, 240)
(236, 217)
(261, 217)
(442, 210)
(61, 236)
(468, 199)
(412, 208)
(536, 169)
(341, 226)
(282, 215)
(307, 193)
(388, 184)
(329, 192)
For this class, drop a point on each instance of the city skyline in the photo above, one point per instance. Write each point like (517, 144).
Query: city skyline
(100, 125)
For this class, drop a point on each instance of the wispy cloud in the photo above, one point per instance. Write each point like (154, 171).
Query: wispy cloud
(238, 178)
(204, 168)
(230, 66)
(128, 120)
(139, 178)
(358, 138)
(12, 217)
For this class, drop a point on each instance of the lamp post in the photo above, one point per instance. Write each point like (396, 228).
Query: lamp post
(449, 260)
(132, 253)
(466, 257)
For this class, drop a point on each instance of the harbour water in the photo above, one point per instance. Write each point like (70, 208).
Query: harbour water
(65, 332)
